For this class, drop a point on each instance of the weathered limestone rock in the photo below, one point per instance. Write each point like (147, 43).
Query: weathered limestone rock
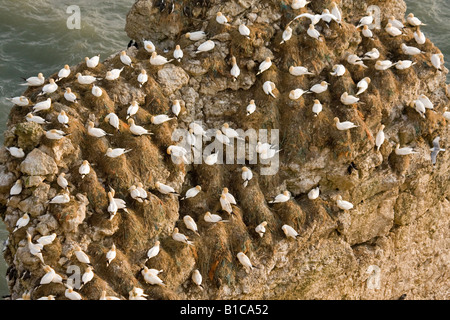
(38, 163)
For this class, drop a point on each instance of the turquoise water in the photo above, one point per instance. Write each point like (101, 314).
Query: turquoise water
(34, 38)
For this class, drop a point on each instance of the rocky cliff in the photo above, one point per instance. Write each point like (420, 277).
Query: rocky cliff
(393, 242)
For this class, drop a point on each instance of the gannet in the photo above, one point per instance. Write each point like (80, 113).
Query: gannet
(316, 108)
(71, 294)
(371, 55)
(344, 125)
(348, 99)
(46, 240)
(135, 194)
(336, 12)
(35, 249)
(149, 46)
(111, 255)
(315, 18)
(414, 21)
(338, 70)
(34, 81)
(363, 85)
(244, 30)
(263, 66)
(113, 120)
(190, 224)
(419, 107)
(289, 231)
(32, 118)
(63, 118)
(384, 65)
(245, 261)
(225, 204)
(404, 64)
(355, 60)
(181, 237)
(178, 152)
(22, 222)
(212, 158)
(96, 132)
(229, 132)
(246, 175)
(426, 101)
(287, 34)
(84, 169)
(342, 204)
(213, 218)
(16, 152)
(192, 192)
(125, 59)
(436, 60)
(282, 197)
(55, 134)
(62, 181)
(221, 19)
(393, 31)
(160, 119)
(132, 109)
(49, 275)
(60, 198)
(49, 297)
(296, 94)
(313, 33)
(235, 71)
(196, 35)
(21, 101)
(105, 297)
(298, 4)
(366, 32)
(261, 228)
(85, 79)
(268, 153)
(380, 137)
(43, 105)
(92, 62)
(142, 78)
(419, 36)
(206, 46)
(327, 16)
(251, 107)
(395, 23)
(191, 138)
(16, 189)
(178, 53)
(96, 91)
(197, 278)
(320, 87)
(87, 276)
(70, 96)
(112, 206)
(25, 296)
(63, 73)
(151, 276)
(198, 129)
(229, 196)
(113, 74)
(299, 71)
(137, 294)
(435, 150)
(153, 251)
(313, 194)
(404, 151)
(49, 88)
(410, 50)
(165, 189)
(268, 87)
(140, 188)
(116, 152)
(365, 21)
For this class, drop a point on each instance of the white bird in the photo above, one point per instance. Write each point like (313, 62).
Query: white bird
(192, 192)
(393, 31)
(245, 261)
(296, 94)
(366, 20)
(22, 222)
(268, 153)
(116, 152)
(70, 96)
(149, 46)
(379, 139)
(125, 59)
(409, 50)
(49, 297)
(435, 150)
(313, 194)
(142, 78)
(363, 85)
(395, 23)
(165, 189)
(111, 255)
(178, 152)
(140, 188)
(197, 278)
(85, 79)
(225, 204)
(32, 118)
(342, 204)
(344, 125)
(160, 119)
(137, 130)
(35, 248)
(419, 36)
(103, 296)
(268, 87)
(25, 296)
(46, 240)
(320, 87)
(348, 99)
(261, 228)
(43, 105)
(246, 175)
(55, 134)
(132, 109)
(315, 18)
(371, 55)
(419, 107)
(96, 91)
(181, 237)
(34, 81)
(251, 107)
(191, 139)
(235, 71)
(190, 224)
(313, 33)
(112, 206)
(62, 181)
(336, 12)
(84, 169)
(436, 60)
(327, 16)
(289, 231)
(71, 294)
(151, 276)
(96, 132)
(178, 53)
(92, 62)
(338, 70)
(60, 198)
(446, 114)
(229, 196)
(404, 64)
(355, 60)
(404, 151)
(49, 275)
(87, 276)
(244, 30)
(213, 218)
(21, 101)
(298, 4)
(263, 66)
(153, 251)
(196, 35)
(113, 74)
(426, 101)
(16, 152)
(197, 128)
(366, 32)
(135, 194)
(229, 132)
(261, 147)
(113, 120)
(63, 73)
(63, 118)
(81, 255)
(208, 45)
(384, 65)
(299, 71)
(49, 88)
(414, 21)
(16, 189)
(282, 197)
(316, 108)
(137, 294)
(287, 34)
(212, 158)
(221, 19)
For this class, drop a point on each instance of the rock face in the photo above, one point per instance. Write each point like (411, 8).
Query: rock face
(393, 242)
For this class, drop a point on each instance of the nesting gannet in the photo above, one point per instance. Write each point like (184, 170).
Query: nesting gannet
(151, 276)
(149, 46)
(395, 23)
(268, 87)
(22, 222)
(71, 294)
(355, 60)
(404, 151)
(198, 129)
(245, 261)
(435, 150)
(414, 21)
(35, 248)
(335, 11)
(181, 237)
(246, 175)
(103, 296)
(132, 109)
(196, 35)
(221, 19)
(16, 189)
(313, 33)
(49, 297)
(178, 53)
(85, 79)
(315, 18)
(125, 59)
(84, 169)
(190, 224)
(160, 119)
(111, 255)
(327, 16)
(261, 228)
(409, 50)
(212, 158)
(208, 45)
(113, 120)
(251, 107)
(21, 101)
(419, 36)
(113, 74)
(32, 118)
(298, 4)
(197, 278)
(268, 153)
(16, 152)
(96, 132)
(244, 30)
(287, 34)
(70, 96)
(282, 197)
(320, 87)
(55, 134)
(393, 31)
(25, 296)
(342, 204)
(366, 20)
(87, 276)
(178, 152)
(62, 181)
(34, 81)
(137, 294)
(213, 218)
(92, 62)
(116, 152)
(379, 140)
(49, 275)
(436, 60)
(261, 147)
(263, 66)
(49, 88)
(404, 64)
(338, 70)
(235, 71)
(419, 107)
(313, 194)
(348, 99)
(80, 255)
(63, 73)
(43, 105)
(363, 85)
(229, 196)
(229, 132)
(112, 206)
(135, 194)
(46, 240)
(296, 93)
(192, 192)
(225, 204)
(384, 65)
(299, 71)
(289, 231)
(371, 55)
(165, 189)
(96, 91)
(63, 118)
(142, 78)
(366, 32)
(426, 101)
(60, 198)
(316, 108)
(153, 251)
(344, 125)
